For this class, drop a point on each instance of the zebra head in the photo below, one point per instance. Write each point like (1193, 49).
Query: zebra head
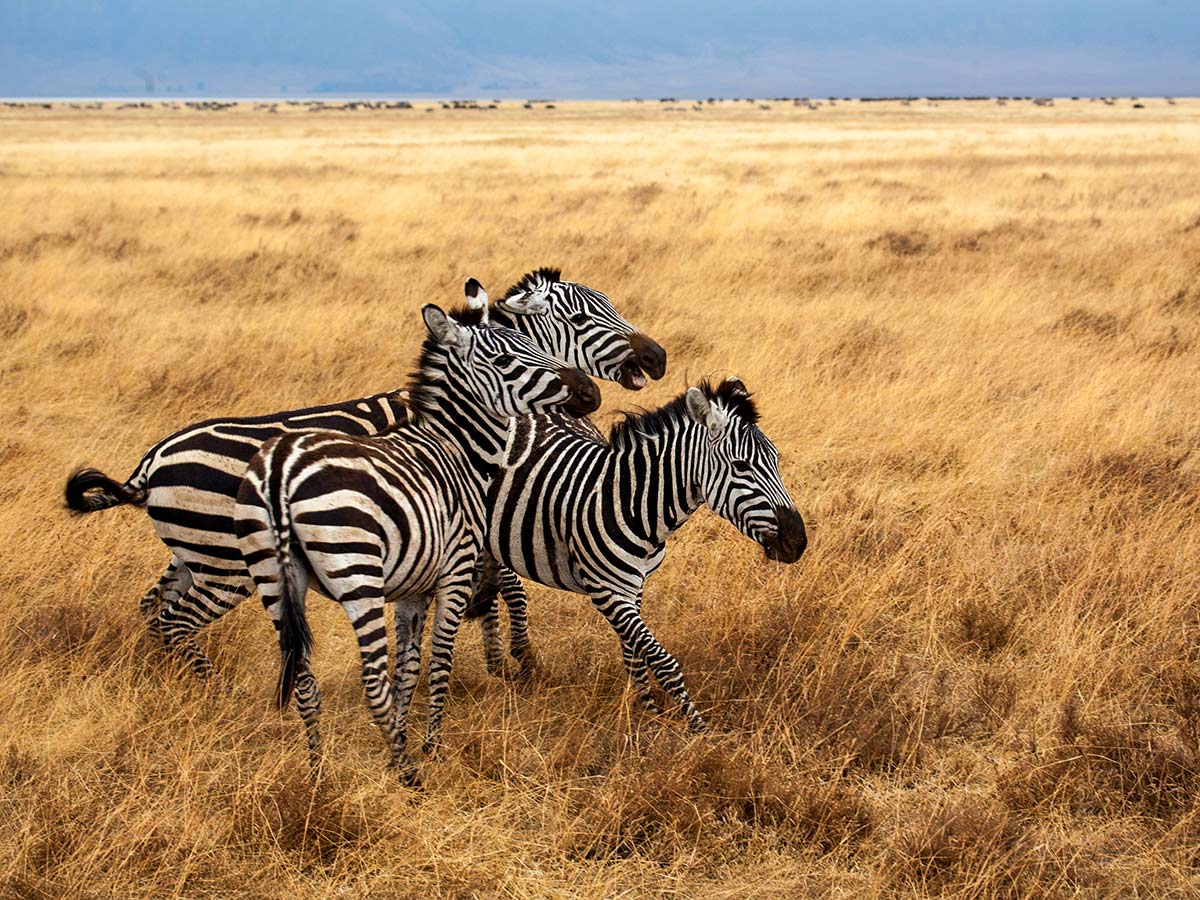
(739, 474)
(503, 369)
(581, 326)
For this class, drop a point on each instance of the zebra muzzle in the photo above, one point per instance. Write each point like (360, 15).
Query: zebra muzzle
(790, 540)
(585, 396)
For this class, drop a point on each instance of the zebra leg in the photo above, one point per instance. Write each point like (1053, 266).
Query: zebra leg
(639, 675)
(493, 643)
(452, 597)
(308, 697)
(365, 612)
(308, 705)
(179, 619)
(175, 581)
(484, 590)
(410, 627)
(637, 641)
(515, 598)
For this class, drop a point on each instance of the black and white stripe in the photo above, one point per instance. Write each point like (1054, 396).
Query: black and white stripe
(573, 511)
(188, 482)
(397, 516)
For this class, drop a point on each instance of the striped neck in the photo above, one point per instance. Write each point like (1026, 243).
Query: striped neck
(438, 403)
(655, 473)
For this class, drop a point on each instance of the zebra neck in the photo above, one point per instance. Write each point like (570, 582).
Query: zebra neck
(656, 478)
(437, 404)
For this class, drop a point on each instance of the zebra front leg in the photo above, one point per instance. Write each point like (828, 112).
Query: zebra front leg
(452, 598)
(180, 619)
(365, 612)
(638, 642)
(639, 678)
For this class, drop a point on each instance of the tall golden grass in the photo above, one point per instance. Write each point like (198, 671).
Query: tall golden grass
(972, 331)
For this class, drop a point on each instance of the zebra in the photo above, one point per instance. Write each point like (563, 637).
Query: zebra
(573, 511)
(188, 481)
(396, 516)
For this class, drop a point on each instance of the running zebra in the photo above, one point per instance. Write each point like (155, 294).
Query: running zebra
(397, 516)
(573, 511)
(188, 482)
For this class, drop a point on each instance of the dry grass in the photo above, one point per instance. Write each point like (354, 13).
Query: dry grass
(973, 334)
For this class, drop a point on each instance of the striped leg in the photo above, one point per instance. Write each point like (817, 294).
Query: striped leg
(639, 675)
(179, 619)
(308, 697)
(174, 582)
(515, 598)
(493, 643)
(452, 597)
(410, 627)
(638, 642)
(364, 606)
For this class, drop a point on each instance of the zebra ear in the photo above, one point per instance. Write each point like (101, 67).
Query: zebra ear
(477, 297)
(443, 328)
(527, 303)
(701, 411)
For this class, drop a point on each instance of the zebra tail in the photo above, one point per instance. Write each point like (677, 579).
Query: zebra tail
(89, 490)
(295, 637)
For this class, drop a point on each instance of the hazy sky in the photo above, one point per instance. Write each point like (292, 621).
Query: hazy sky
(548, 48)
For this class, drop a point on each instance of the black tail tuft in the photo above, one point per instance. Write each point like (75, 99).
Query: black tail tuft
(89, 490)
(295, 638)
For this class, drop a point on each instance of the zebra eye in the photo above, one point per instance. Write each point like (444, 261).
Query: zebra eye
(579, 318)
(504, 359)
(741, 467)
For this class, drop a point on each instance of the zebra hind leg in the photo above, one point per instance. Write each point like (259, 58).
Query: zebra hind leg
(410, 628)
(173, 584)
(485, 590)
(179, 620)
(638, 642)
(306, 692)
(516, 600)
(452, 599)
(365, 612)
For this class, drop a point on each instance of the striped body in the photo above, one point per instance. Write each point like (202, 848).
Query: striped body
(573, 511)
(395, 517)
(188, 482)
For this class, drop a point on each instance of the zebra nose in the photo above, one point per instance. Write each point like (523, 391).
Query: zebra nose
(790, 541)
(650, 356)
(585, 396)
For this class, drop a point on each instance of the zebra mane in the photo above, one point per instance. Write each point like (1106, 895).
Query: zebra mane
(531, 280)
(730, 394)
(421, 397)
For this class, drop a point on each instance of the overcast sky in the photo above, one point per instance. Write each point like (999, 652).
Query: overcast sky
(621, 48)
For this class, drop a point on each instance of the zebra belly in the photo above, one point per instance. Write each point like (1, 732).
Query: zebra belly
(404, 554)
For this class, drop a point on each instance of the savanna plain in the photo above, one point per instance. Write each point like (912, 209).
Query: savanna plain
(972, 330)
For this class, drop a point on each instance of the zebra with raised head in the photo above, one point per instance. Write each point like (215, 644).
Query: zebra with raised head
(573, 511)
(188, 481)
(397, 516)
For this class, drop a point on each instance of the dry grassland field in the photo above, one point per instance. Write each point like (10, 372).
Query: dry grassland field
(973, 331)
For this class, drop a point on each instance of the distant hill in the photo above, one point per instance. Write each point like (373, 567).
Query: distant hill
(468, 47)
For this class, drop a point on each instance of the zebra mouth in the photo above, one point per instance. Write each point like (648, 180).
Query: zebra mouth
(630, 376)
